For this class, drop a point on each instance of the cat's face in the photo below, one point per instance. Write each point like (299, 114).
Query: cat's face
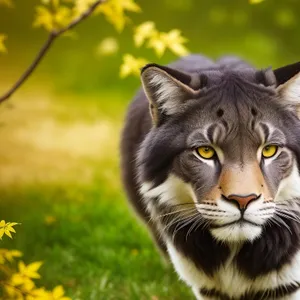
(225, 156)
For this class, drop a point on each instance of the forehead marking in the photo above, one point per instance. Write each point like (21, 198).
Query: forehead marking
(216, 133)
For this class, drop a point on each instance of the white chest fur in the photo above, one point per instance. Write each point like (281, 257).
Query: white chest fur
(230, 281)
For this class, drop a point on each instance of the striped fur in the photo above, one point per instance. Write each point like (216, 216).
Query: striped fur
(221, 249)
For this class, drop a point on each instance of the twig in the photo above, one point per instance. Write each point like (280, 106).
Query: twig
(45, 48)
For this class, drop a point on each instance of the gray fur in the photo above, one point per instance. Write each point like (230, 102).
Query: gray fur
(233, 106)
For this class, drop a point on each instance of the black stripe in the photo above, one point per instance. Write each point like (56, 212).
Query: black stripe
(279, 292)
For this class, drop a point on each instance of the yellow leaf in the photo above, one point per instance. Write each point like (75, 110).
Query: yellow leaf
(22, 267)
(39, 294)
(10, 228)
(17, 279)
(80, 6)
(143, 32)
(158, 44)
(62, 17)
(11, 254)
(12, 223)
(7, 232)
(28, 285)
(7, 228)
(174, 41)
(255, 1)
(107, 46)
(129, 5)
(113, 15)
(43, 18)
(114, 11)
(53, 18)
(33, 268)
(131, 65)
(58, 293)
(30, 271)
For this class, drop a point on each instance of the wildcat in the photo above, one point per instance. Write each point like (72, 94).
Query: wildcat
(210, 161)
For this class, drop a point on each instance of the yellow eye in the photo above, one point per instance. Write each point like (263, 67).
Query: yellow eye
(269, 151)
(206, 152)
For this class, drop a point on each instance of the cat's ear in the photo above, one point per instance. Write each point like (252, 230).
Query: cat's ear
(167, 90)
(289, 89)
(284, 74)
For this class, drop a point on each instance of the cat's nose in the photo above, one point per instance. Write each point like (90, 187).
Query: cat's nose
(242, 200)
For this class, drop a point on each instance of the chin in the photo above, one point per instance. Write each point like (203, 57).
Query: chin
(237, 233)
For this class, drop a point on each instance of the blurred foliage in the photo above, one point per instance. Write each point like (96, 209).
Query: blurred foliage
(265, 34)
(59, 17)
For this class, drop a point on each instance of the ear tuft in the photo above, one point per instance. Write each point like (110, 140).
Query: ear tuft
(266, 77)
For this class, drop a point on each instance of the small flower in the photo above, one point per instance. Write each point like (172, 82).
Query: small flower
(172, 40)
(58, 294)
(7, 228)
(114, 11)
(144, 31)
(131, 65)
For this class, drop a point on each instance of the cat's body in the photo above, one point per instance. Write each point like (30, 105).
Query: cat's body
(188, 200)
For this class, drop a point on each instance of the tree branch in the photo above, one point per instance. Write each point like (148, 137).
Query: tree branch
(45, 48)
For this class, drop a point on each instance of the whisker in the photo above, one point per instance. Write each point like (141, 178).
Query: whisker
(180, 204)
(278, 219)
(191, 220)
(175, 212)
(288, 217)
(192, 228)
(179, 219)
(288, 213)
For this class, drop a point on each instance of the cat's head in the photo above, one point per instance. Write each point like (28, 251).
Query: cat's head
(224, 150)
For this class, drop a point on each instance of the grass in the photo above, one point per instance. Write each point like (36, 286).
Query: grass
(77, 220)
(95, 247)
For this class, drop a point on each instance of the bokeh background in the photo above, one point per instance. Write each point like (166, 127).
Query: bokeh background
(59, 136)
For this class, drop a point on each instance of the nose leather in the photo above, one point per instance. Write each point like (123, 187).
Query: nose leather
(242, 200)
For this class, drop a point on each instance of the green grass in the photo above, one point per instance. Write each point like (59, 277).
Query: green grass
(96, 249)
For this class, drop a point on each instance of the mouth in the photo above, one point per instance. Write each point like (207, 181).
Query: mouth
(239, 222)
